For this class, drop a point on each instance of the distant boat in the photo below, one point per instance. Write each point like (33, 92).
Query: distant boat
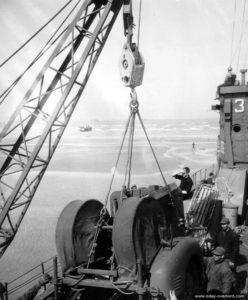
(86, 128)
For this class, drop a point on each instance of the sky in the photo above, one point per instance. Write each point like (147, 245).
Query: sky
(187, 46)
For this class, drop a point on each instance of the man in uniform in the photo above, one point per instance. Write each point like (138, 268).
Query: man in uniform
(230, 80)
(230, 77)
(219, 274)
(186, 182)
(229, 240)
(210, 179)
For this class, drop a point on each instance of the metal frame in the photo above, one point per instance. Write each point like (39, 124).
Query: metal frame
(42, 116)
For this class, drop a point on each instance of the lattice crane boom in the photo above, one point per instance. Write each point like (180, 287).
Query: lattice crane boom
(42, 116)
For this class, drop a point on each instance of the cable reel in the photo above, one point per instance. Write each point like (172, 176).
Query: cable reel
(132, 66)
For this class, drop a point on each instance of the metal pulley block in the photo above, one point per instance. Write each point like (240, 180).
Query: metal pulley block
(132, 66)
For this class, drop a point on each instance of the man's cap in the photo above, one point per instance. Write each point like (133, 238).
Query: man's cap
(219, 251)
(225, 220)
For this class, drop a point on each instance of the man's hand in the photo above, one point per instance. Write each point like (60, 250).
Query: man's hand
(172, 295)
(45, 278)
(231, 264)
(184, 192)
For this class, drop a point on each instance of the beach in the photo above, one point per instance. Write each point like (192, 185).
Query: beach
(82, 168)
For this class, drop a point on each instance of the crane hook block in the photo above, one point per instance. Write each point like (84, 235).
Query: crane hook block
(132, 66)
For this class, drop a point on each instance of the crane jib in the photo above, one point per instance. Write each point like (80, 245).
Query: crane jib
(91, 27)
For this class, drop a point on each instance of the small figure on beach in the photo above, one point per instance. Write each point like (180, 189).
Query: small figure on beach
(193, 146)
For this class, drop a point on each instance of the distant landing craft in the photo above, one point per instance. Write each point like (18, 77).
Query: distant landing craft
(86, 128)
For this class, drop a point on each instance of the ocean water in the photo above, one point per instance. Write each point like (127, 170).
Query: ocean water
(82, 167)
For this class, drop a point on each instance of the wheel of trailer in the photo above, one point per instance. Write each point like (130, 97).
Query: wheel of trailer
(75, 234)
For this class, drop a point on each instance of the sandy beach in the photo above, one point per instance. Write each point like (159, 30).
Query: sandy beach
(81, 169)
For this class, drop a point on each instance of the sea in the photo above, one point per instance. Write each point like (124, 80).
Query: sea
(83, 166)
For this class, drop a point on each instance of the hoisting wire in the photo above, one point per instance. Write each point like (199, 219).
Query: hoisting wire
(233, 27)
(242, 32)
(38, 56)
(138, 38)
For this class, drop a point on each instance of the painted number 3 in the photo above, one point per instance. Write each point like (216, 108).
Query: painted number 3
(239, 105)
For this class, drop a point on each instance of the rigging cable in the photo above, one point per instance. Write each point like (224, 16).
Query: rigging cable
(39, 55)
(117, 161)
(242, 32)
(34, 35)
(153, 152)
(136, 108)
(233, 27)
(130, 151)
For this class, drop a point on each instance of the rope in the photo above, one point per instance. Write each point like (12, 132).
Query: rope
(234, 17)
(138, 39)
(160, 170)
(39, 55)
(34, 35)
(242, 32)
(153, 152)
(128, 154)
(131, 150)
(117, 161)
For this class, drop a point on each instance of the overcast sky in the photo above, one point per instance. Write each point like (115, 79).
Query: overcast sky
(186, 45)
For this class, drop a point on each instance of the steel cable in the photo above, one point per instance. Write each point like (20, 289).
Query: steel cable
(138, 38)
(242, 32)
(233, 27)
(131, 150)
(153, 152)
(117, 161)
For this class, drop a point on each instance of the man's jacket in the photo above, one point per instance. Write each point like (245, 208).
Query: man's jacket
(229, 240)
(219, 277)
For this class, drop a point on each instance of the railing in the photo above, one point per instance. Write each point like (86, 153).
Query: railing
(22, 283)
(201, 174)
